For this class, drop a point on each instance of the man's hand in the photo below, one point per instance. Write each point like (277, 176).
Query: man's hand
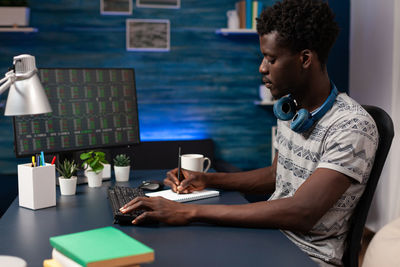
(192, 181)
(159, 209)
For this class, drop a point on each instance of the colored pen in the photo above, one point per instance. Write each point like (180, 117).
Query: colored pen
(42, 157)
(33, 161)
(53, 160)
(37, 161)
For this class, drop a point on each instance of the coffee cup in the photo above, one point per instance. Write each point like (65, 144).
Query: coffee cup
(195, 162)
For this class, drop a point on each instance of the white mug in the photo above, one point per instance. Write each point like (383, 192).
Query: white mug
(195, 162)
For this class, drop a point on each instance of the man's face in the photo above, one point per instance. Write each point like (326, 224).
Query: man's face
(280, 67)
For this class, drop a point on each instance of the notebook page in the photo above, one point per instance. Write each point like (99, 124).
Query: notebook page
(171, 195)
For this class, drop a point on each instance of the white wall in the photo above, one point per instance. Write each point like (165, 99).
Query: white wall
(374, 79)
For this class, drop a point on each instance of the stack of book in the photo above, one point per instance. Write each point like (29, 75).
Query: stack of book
(106, 246)
(248, 11)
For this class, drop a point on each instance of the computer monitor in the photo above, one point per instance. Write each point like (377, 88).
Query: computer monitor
(93, 108)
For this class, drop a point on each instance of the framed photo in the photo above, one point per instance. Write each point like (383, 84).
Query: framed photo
(147, 35)
(159, 3)
(116, 7)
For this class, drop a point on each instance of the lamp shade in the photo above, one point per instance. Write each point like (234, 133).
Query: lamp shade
(26, 95)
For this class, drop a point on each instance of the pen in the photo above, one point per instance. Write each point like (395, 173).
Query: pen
(42, 157)
(53, 160)
(33, 161)
(37, 161)
(179, 165)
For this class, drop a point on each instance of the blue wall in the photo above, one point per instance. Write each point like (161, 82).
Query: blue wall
(204, 87)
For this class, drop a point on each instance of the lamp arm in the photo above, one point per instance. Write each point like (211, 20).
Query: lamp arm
(10, 78)
(5, 86)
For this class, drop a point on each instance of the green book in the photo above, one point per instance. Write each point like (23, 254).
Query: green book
(105, 246)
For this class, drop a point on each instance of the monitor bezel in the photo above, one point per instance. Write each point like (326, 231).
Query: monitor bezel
(85, 148)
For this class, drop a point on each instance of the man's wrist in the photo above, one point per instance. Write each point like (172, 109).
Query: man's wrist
(194, 212)
(207, 179)
(210, 179)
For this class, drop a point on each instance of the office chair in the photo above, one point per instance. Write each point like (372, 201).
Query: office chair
(386, 132)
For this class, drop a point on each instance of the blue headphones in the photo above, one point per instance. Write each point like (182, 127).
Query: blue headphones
(285, 109)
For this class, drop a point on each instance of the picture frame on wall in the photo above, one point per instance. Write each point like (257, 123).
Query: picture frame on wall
(151, 35)
(116, 7)
(159, 3)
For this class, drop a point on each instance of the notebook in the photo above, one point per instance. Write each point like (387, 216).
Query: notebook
(196, 195)
(106, 246)
(60, 260)
(63, 260)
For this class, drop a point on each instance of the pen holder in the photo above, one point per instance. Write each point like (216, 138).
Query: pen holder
(36, 186)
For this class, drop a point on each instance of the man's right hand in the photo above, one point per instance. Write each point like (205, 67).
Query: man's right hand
(192, 181)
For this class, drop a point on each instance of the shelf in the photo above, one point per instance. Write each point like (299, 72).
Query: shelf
(18, 29)
(226, 32)
(261, 103)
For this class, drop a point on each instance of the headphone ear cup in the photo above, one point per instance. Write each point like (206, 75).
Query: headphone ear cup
(301, 121)
(285, 108)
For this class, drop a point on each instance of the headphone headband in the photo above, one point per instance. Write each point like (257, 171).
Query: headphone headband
(302, 120)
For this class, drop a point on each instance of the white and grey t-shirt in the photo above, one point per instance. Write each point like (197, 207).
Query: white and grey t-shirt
(344, 139)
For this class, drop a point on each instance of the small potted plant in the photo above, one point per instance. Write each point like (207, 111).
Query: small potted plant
(93, 162)
(122, 166)
(67, 180)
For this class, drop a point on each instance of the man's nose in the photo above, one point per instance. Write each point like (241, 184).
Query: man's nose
(263, 66)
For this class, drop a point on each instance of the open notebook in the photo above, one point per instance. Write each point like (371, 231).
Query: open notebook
(171, 195)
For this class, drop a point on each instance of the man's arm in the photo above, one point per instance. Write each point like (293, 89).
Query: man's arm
(297, 213)
(260, 181)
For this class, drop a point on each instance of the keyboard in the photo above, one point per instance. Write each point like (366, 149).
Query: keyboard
(118, 196)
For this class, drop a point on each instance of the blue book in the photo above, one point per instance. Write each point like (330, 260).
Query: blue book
(249, 14)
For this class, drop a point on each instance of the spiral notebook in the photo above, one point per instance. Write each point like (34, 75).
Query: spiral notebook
(196, 195)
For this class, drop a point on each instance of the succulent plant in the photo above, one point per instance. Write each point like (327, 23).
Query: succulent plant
(67, 168)
(122, 160)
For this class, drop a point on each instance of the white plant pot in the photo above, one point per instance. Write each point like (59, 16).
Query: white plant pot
(106, 172)
(122, 173)
(94, 179)
(67, 186)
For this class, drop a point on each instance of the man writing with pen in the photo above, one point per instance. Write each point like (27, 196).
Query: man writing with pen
(325, 144)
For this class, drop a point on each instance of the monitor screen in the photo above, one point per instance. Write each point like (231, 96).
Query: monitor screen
(92, 108)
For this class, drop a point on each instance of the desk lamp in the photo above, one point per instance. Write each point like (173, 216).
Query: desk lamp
(26, 96)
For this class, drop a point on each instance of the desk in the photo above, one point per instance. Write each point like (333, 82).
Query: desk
(25, 233)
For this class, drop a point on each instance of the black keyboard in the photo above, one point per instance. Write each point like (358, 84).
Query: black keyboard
(118, 196)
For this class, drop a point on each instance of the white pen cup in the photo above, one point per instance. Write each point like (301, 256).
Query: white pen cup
(195, 162)
(36, 186)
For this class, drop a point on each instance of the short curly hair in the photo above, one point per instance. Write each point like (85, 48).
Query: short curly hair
(301, 24)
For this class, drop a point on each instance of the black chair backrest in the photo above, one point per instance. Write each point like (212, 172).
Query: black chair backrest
(386, 133)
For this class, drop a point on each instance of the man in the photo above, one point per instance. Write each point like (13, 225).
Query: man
(322, 163)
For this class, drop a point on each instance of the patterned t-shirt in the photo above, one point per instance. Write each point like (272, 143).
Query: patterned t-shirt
(344, 139)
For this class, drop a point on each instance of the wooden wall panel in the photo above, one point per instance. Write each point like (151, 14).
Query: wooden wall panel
(203, 88)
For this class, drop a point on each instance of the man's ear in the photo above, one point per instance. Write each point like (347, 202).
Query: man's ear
(306, 57)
